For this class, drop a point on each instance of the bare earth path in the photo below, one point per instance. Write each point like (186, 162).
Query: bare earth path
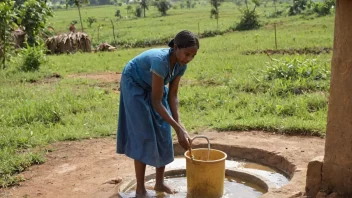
(91, 168)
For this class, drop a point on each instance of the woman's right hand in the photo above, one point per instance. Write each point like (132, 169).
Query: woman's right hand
(183, 138)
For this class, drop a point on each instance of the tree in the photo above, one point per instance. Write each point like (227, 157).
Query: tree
(33, 17)
(249, 19)
(215, 10)
(129, 9)
(144, 5)
(7, 13)
(91, 20)
(138, 11)
(188, 4)
(324, 8)
(118, 14)
(77, 3)
(163, 6)
(299, 6)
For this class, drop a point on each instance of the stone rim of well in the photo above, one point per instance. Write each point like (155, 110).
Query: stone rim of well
(252, 154)
(233, 172)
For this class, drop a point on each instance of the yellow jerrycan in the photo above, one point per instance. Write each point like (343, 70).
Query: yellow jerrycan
(205, 171)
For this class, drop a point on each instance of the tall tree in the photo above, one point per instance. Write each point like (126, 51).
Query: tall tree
(78, 3)
(144, 5)
(188, 3)
(215, 10)
(33, 17)
(163, 6)
(249, 19)
(129, 9)
(299, 6)
(6, 15)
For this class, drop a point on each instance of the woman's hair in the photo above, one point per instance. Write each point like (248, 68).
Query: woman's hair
(185, 39)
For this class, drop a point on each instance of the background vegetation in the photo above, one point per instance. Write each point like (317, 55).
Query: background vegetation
(223, 88)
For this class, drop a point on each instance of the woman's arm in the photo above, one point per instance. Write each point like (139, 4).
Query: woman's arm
(173, 99)
(157, 95)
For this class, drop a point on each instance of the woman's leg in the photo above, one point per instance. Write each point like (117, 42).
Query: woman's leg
(159, 182)
(139, 168)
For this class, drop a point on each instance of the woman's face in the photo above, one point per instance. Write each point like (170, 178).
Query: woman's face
(185, 55)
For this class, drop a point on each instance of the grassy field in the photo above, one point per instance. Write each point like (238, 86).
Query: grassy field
(131, 29)
(222, 89)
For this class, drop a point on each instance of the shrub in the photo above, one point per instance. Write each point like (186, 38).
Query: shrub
(118, 14)
(91, 20)
(295, 68)
(211, 33)
(163, 6)
(249, 21)
(299, 6)
(275, 14)
(290, 76)
(324, 8)
(32, 58)
(138, 12)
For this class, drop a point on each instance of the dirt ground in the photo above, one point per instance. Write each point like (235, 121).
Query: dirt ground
(91, 168)
(108, 77)
(109, 81)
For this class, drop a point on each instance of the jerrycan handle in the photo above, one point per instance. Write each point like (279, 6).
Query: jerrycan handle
(190, 143)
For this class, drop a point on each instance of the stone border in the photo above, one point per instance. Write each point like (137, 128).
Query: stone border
(251, 178)
(241, 174)
(264, 157)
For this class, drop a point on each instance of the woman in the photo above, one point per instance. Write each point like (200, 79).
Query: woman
(148, 108)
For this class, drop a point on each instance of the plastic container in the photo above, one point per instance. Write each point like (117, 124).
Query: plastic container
(205, 172)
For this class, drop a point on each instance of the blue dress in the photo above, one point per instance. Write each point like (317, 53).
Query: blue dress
(142, 134)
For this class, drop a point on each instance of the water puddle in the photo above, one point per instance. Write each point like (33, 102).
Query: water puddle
(233, 187)
(272, 175)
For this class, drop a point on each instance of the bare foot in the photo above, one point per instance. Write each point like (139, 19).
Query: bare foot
(142, 194)
(164, 188)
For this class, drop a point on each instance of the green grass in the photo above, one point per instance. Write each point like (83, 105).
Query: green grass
(222, 88)
(154, 26)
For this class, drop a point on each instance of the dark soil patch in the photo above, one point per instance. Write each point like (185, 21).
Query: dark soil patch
(107, 77)
(106, 80)
(55, 77)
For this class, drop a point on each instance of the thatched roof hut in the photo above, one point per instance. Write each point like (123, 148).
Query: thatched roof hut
(69, 42)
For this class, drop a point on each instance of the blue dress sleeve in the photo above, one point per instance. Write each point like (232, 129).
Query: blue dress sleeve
(159, 67)
(182, 70)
